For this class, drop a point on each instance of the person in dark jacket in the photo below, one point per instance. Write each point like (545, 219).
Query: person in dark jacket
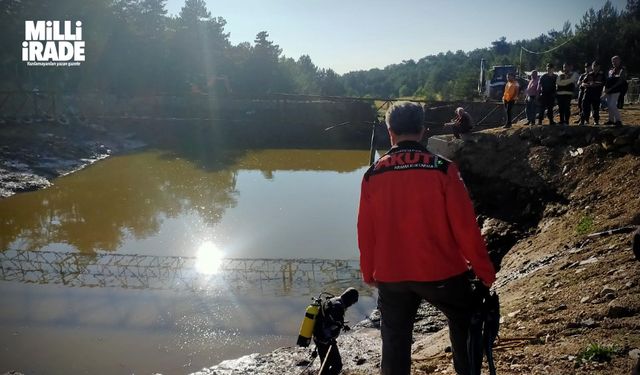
(417, 235)
(614, 85)
(582, 91)
(461, 124)
(592, 84)
(623, 92)
(547, 94)
(329, 323)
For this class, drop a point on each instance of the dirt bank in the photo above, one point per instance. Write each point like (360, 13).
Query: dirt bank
(31, 154)
(541, 191)
(570, 301)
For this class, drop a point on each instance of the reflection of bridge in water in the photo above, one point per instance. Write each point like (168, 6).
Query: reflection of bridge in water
(279, 276)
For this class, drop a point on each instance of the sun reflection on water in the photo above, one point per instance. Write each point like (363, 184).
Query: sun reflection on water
(209, 258)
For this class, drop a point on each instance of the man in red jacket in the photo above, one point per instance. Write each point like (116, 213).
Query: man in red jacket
(418, 239)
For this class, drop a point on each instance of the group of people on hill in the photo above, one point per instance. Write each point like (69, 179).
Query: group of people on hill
(593, 85)
(595, 89)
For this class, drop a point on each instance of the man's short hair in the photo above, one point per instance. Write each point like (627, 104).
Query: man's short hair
(549, 65)
(405, 118)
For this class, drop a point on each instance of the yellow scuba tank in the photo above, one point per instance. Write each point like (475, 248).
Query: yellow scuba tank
(306, 328)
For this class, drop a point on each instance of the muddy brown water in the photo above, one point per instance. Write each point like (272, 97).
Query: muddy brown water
(164, 262)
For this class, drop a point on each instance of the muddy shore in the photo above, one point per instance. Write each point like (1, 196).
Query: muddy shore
(32, 154)
(360, 350)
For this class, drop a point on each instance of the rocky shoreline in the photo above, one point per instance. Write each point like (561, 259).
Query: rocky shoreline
(33, 154)
(360, 349)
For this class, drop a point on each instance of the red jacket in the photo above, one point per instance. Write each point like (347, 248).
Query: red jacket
(416, 221)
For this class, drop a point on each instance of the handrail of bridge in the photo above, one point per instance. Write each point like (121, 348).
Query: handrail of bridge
(129, 271)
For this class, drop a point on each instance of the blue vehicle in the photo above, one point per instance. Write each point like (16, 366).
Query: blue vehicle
(493, 88)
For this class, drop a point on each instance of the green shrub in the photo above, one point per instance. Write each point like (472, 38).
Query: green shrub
(585, 225)
(596, 353)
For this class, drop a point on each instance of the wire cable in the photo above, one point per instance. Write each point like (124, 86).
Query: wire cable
(549, 50)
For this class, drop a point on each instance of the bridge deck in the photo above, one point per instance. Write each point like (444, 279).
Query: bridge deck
(174, 273)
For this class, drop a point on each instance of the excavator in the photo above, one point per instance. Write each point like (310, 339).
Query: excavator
(493, 88)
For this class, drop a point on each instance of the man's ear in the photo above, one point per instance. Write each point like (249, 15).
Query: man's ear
(392, 135)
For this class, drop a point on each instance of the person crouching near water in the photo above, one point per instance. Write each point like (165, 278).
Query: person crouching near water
(417, 235)
(329, 323)
(461, 124)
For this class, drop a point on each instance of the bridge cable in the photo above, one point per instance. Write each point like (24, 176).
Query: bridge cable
(543, 52)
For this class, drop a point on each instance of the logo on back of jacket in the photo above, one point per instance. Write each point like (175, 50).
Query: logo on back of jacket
(397, 160)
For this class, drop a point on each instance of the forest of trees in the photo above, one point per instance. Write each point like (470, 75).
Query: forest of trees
(135, 48)
(600, 35)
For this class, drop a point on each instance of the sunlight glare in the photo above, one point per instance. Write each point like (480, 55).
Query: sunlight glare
(209, 258)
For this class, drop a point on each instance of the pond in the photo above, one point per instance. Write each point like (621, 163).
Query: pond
(167, 262)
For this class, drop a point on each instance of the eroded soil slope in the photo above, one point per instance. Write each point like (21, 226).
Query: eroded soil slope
(544, 190)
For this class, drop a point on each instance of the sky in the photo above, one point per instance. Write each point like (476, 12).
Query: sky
(347, 35)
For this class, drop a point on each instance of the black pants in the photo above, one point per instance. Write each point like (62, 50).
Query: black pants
(591, 106)
(564, 108)
(508, 107)
(546, 103)
(623, 92)
(532, 109)
(581, 104)
(398, 304)
(456, 129)
(330, 354)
